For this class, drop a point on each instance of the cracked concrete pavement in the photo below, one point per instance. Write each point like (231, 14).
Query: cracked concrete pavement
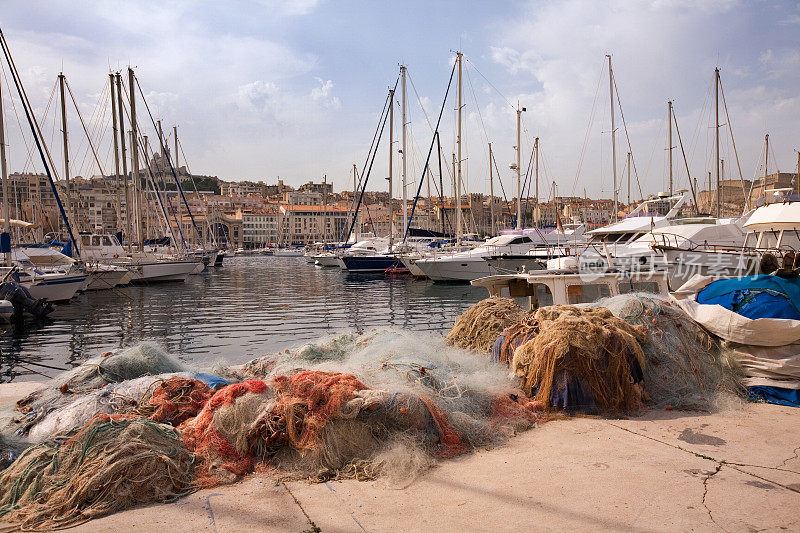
(735, 470)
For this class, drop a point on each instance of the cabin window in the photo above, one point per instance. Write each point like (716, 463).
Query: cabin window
(638, 286)
(86, 240)
(790, 240)
(769, 239)
(95, 240)
(587, 293)
(107, 241)
(751, 240)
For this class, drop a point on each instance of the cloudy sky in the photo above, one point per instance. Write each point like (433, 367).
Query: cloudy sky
(269, 88)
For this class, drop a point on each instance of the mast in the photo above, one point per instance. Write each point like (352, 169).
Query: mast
(116, 144)
(180, 204)
(798, 172)
(458, 160)
(491, 193)
(629, 180)
(536, 190)
(355, 215)
(613, 136)
(766, 163)
(137, 185)
(4, 176)
(68, 196)
(324, 210)
(716, 136)
(123, 156)
(519, 169)
(391, 144)
(722, 186)
(403, 142)
(669, 140)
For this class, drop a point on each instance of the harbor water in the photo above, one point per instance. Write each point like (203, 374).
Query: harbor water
(249, 307)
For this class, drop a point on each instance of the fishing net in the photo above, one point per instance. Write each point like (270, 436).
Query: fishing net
(581, 359)
(685, 366)
(141, 360)
(116, 398)
(175, 400)
(481, 324)
(219, 434)
(108, 465)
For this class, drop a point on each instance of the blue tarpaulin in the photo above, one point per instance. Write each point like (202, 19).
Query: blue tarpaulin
(754, 297)
(776, 395)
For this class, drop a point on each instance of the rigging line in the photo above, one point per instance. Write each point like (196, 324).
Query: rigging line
(28, 148)
(197, 192)
(680, 142)
(588, 130)
(735, 152)
(91, 145)
(92, 120)
(430, 150)
(364, 177)
(34, 129)
(497, 171)
(174, 174)
(491, 84)
(653, 151)
(357, 197)
(627, 137)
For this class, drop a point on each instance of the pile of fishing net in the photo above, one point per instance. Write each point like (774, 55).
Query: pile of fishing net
(669, 360)
(108, 465)
(386, 403)
(579, 359)
(387, 407)
(482, 323)
(107, 378)
(685, 366)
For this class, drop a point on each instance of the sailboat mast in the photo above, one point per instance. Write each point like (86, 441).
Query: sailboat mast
(613, 136)
(324, 210)
(68, 196)
(403, 142)
(391, 159)
(135, 162)
(669, 141)
(629, 181)
(114, 129)
(519, 169)
(722, 186)
(4, 176)
(491, 192)
(536, 185)
(123, 156)
(716, 136)
(458, 160)
(766, 163)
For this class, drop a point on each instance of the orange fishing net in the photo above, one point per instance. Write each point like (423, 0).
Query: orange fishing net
(176, 400)
(214, 450)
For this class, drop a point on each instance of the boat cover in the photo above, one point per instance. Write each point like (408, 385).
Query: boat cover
(755, 297)
(763, 326)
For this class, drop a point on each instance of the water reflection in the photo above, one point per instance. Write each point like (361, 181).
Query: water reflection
(251, 306)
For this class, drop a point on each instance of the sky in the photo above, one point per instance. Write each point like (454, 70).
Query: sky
(293, 89)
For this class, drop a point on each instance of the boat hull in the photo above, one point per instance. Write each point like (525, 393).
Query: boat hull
(161, 271)
(108, 279)
(460, 271)
(57, 288)
(369, 263)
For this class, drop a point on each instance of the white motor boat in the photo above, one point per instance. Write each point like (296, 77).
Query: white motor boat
(105, 276)
(471, 264)
(327, 259)
(144, 267)
(288, 252)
